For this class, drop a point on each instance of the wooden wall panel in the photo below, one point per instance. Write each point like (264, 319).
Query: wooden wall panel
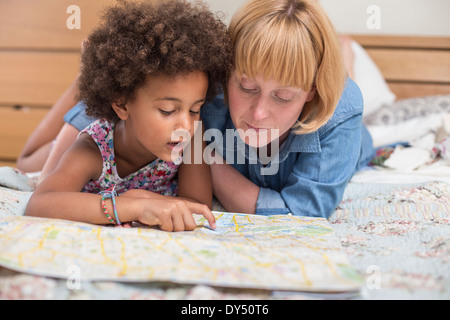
(412, 66)
(381, 41)
(39, 59)
(404, 90)
(42, 24)
(35, 78)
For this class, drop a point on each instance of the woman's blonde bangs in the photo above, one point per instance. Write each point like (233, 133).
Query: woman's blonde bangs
(294, 43)
(269, 50)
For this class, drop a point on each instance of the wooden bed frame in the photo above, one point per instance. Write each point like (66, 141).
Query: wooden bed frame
(36, 69)
(39, 58)
(412, 66)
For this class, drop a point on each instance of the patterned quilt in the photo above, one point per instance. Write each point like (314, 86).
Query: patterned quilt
(396, 239)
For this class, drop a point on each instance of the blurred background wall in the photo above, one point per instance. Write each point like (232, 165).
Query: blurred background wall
(40, 47)
(397, 17)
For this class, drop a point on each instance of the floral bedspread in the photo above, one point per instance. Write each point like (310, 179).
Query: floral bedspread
(396, 236)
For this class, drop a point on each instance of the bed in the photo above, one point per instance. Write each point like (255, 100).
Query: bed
(392, 227)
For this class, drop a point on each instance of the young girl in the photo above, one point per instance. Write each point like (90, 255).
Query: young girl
(146, 72)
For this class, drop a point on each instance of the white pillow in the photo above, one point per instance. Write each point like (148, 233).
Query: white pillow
(368, 77)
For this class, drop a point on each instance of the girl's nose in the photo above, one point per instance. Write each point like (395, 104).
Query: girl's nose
(183, 128)
(184, 122)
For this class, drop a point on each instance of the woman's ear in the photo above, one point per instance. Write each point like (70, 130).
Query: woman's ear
(311, 94)
(121, 109)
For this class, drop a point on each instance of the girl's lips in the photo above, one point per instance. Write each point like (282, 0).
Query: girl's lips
(175, 145)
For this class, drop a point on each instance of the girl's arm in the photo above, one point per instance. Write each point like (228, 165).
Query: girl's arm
(194, 180)
(59, 196)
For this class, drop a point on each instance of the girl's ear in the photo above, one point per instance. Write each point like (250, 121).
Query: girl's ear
(121, 109)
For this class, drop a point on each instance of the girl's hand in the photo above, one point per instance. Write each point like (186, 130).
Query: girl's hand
(126, 225)
(172, 214)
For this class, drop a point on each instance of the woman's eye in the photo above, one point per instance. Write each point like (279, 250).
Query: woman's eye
(283, 99)
(194, 112)
(247, 90)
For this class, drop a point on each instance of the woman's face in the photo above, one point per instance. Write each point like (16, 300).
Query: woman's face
(264, 110)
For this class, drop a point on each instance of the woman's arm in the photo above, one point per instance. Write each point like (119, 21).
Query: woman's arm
(314, 186)
(234, 191)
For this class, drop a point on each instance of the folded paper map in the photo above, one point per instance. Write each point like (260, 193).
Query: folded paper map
(245, 251)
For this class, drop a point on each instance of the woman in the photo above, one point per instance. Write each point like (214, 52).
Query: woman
(288, 79)
(289, 75)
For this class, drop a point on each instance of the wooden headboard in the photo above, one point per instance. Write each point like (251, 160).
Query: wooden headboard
(39, 58)
(412, 66)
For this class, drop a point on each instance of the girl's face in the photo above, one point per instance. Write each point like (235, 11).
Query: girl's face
(263, 105)
(162, 116)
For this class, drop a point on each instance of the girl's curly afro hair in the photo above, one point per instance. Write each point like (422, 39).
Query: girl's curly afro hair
(154, 37)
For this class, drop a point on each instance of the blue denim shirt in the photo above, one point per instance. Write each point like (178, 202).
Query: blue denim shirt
(312, 170)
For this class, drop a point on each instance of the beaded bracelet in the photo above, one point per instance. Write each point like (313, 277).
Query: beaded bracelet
(105, 211)
(110, 194)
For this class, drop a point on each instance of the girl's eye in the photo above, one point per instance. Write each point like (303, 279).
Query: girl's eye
(166, 113)
(194, 112)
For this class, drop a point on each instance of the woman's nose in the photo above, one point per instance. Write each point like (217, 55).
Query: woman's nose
(260, 109)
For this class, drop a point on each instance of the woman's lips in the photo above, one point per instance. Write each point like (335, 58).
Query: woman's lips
(257, 130)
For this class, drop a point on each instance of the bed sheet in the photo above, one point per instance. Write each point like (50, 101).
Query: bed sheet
(396, 237)
(393, 225)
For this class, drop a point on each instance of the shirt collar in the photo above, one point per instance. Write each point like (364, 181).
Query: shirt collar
(302, 142)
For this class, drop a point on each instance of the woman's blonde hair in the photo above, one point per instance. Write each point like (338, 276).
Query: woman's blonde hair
(293, 42)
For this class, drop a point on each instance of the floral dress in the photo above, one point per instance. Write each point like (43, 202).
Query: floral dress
(158, 176)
